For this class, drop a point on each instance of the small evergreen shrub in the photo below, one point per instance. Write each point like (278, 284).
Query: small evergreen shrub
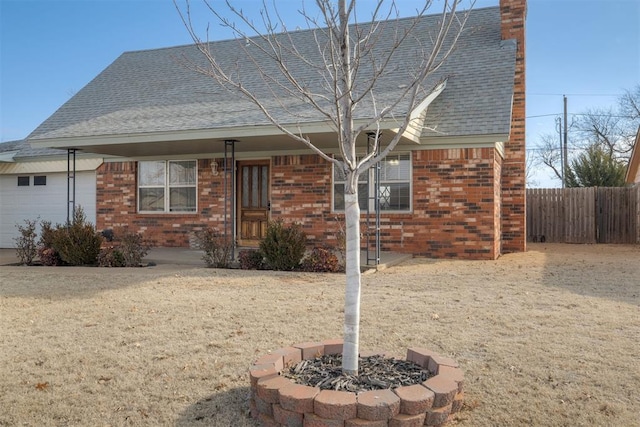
(110, 256)
(250, 259)
(217, 251)
(284, 245)
(26, 247)
(321, 260)
(77, 243)
(46, 252)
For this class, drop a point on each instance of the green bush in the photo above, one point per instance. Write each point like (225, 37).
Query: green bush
(26, 243)
(321, 260)
(217, 251)
(284, 245)
(77, 242)
(250, 259)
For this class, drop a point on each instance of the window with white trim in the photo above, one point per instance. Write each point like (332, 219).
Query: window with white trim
(394, 185)
(167, 186)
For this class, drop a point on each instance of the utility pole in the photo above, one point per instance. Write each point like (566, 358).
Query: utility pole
(566, 161)
(559, 130)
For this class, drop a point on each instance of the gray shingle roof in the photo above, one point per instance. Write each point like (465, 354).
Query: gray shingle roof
(25, 150)
(152, 91)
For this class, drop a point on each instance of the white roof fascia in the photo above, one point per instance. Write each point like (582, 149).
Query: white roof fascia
(8, 156)
(48, 166)
(417, 116)
(181, 135)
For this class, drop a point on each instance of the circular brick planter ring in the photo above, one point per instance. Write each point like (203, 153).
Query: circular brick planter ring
(277, 401)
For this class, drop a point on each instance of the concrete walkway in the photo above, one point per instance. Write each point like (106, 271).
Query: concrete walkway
(185, 256)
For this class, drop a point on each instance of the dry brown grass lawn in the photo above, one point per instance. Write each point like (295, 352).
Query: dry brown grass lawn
(546, 338)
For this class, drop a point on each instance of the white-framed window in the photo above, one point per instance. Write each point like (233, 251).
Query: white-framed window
(394, 185)
(167, 186)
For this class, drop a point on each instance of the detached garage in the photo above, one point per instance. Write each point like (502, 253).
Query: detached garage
(33, 185)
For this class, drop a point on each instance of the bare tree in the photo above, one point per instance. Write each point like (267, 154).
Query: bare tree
(611, 130)
(549, 153)
(606, 128)
(349, 71)
(531, 162)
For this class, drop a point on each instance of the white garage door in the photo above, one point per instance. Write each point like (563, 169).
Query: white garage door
(44, 198)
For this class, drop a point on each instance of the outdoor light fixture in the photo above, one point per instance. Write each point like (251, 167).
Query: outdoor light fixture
(214, 168)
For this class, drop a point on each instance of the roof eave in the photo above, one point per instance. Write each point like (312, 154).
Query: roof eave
(634, 161)
(228, 133)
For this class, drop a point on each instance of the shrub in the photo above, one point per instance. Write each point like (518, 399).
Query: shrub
(46, 252)
(321, 260)
(26, 243)
(110, 257)
(127, 249)
(77, 243)
(217, 251)
(49, 256)
(283, 247)
(250, 259)
(133, 248)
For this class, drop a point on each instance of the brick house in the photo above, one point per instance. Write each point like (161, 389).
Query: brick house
(181, 154)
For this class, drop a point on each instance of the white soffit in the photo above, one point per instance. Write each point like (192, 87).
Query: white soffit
(48, 166)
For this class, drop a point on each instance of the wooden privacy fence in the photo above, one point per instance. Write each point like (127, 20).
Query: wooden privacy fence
(584, 215)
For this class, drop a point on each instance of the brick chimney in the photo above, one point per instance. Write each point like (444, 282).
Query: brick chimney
(514, 225)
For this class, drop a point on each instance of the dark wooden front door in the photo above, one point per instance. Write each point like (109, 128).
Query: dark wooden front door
(253, 201)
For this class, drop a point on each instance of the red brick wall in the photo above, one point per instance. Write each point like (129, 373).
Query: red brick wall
(456, 204)
(513, 14)
(301, 192)
(454, 207)
(116, 205)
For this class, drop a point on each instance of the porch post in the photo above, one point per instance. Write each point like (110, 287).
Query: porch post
(230, 146)
(373, 145)
(71, 184)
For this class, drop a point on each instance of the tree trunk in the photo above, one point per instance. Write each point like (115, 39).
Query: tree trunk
(352, 293)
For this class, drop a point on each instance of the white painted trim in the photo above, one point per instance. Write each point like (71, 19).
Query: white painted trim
(8, 156)
(422, 107)
(212, 134)
(48, 166)
(447, 143)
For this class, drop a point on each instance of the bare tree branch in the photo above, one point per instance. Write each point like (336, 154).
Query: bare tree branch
(380, 66)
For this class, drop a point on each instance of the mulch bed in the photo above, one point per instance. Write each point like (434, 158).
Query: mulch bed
(374, 373)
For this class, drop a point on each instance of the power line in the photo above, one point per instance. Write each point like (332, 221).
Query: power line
(541, 115)
(618, 116)
(575, 94)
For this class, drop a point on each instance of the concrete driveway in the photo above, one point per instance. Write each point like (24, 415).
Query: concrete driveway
(8, 256)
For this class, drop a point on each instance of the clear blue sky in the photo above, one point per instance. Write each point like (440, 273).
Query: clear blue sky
(50, 49)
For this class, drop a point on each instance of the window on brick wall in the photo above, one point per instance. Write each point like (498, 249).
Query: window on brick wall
(394, 185)
(167, 186)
